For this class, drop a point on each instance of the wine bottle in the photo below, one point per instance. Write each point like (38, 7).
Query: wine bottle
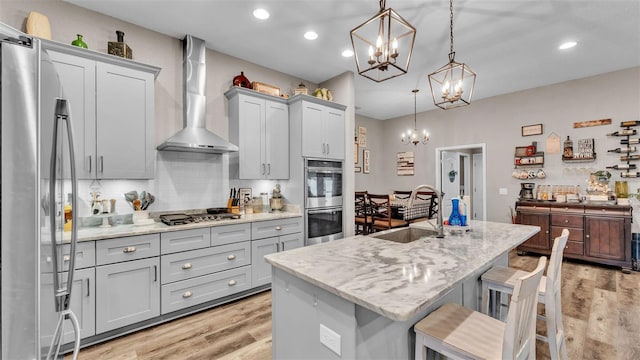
(622, 167)
(629, 157)
(625, 132)
(628, 149)
(629, 141)
(630, 174)
(630, 123)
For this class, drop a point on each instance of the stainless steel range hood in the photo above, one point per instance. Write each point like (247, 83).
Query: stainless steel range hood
(194, 137)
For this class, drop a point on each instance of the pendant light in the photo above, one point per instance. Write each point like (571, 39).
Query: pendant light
(411, 136)
(383, 44)
(452, 85)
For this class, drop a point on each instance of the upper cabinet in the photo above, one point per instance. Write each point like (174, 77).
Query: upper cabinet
(112, 107)
(259, 125)
(318, 126)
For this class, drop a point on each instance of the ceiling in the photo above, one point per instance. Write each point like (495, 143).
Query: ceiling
(511, 44)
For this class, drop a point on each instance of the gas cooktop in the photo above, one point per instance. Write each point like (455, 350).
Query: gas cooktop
(212, 214)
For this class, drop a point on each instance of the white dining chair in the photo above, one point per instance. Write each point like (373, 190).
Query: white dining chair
(461, 333)
(502, 280)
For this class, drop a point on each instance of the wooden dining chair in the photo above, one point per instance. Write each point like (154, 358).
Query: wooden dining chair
(362, 214)
(380, 207)
(502, 280)
(461, 333)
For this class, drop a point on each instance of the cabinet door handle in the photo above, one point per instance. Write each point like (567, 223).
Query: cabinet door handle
(90, 163)
(546, 232)
(88, 287)
(232, 283)
(129, 249)
(187, 294)
(231, 257)
(587, 236)
(328, 149)
(278, 228)
(282, 246)
(186, 266)
(269, 169)
(278, 247)
(566, 221)
(262, 169)
(155, 273)
(101, 164)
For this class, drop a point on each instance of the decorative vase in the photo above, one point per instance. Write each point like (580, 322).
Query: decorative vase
(455, 218)
(79, 42)
(119, 48)
(242, 81)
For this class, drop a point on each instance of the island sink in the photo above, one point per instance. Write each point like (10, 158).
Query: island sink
(405, 235)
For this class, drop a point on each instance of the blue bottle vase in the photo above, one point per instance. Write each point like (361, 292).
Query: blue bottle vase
(455, 219)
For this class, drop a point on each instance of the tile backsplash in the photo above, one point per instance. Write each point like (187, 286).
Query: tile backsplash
(183, 181)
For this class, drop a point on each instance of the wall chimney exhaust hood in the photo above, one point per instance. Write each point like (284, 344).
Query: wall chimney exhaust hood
(194, 137)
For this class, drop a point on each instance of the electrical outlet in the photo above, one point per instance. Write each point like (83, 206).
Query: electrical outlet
(330, 339)
(503, 191)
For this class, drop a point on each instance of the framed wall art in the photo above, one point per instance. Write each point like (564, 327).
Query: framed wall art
(366, 154)
(529, 130)
(405, 163)
(355, 153)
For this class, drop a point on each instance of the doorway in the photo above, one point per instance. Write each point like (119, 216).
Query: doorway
(461, 171)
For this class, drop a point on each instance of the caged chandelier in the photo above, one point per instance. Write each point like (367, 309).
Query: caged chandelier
(452, 85)
(382, 45)
(411, 137)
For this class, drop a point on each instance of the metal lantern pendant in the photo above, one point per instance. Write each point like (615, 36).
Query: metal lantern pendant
(382, 45)
(452, 85)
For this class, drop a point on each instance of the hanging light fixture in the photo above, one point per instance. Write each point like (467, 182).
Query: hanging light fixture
(452, 85)
(383, 44)
(411, 136)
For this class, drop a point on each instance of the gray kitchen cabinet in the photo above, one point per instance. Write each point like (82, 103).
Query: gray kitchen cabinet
(126, 293)
(319, 126)
(112, 105)
(205, 272)
(259, 125)
(82, 303)
(270, 237)
(177, 241)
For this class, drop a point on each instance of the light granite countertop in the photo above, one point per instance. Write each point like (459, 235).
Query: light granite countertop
(99, 233)
(399, 280)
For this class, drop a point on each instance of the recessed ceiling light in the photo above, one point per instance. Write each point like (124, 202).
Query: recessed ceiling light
(310, 35)
(261, 14)
(567, 45)
(347, 53)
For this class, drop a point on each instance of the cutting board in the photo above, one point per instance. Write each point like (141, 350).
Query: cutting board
(38, 25)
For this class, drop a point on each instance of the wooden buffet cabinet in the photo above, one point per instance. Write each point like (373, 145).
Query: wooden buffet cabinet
(599, 233)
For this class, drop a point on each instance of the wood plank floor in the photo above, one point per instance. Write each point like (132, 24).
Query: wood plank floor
(601, 310)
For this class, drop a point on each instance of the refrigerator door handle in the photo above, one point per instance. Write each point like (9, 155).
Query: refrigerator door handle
(62, 117)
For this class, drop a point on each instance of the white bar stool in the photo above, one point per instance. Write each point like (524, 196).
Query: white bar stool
(503, 279)
(461, 333)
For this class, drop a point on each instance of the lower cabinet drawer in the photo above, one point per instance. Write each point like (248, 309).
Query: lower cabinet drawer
(575, 234)
(190, 264)
(574, 247)
(128, 248)
(182, 294)
(85, 257)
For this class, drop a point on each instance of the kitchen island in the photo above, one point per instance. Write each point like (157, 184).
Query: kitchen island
(358, 298)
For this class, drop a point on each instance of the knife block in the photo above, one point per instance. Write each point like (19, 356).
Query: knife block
(235, 209)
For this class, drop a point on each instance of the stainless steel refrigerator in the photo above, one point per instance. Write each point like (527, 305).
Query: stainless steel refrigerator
(37, 181)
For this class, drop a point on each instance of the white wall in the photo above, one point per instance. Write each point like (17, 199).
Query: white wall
(497, 121)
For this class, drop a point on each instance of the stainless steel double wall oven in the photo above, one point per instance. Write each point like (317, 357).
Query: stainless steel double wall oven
(323, 200)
